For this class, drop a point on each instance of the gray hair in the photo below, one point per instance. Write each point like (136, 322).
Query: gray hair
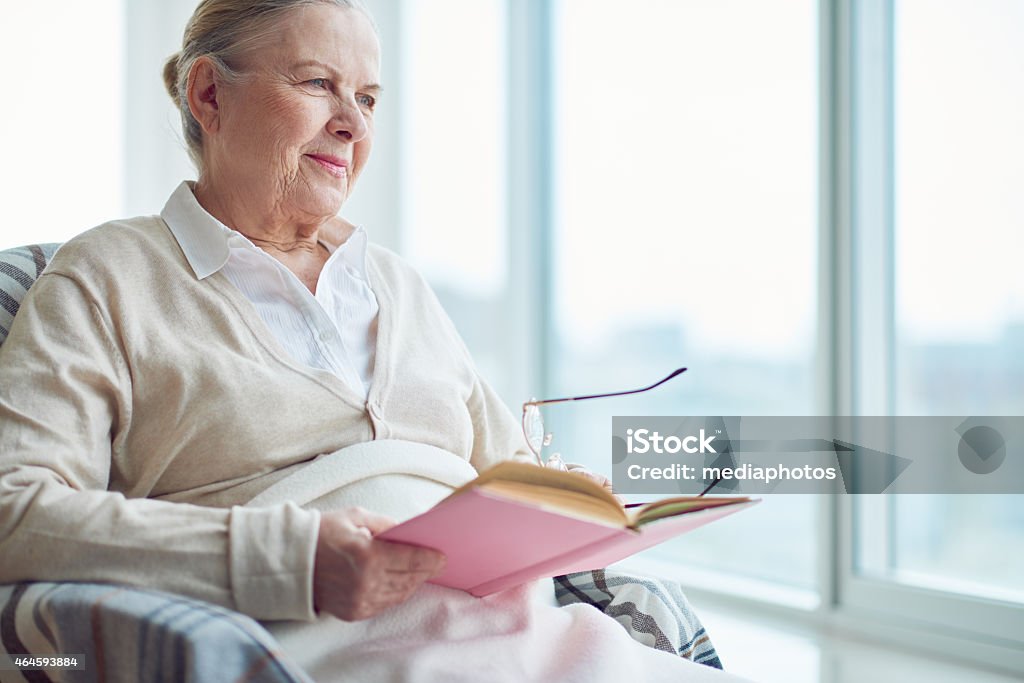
(223, 30)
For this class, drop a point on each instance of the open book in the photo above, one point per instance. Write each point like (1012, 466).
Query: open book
(518, 522)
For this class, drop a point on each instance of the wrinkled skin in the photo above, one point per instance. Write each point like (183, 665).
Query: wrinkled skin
(357, 576)
(307, 94)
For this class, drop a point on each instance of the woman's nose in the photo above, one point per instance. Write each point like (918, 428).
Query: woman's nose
(349, 122)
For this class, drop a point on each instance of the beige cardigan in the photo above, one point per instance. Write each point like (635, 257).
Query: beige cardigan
(140, 406)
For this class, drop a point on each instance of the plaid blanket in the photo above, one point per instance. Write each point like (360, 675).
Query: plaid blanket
(655, 613)
(131, 634)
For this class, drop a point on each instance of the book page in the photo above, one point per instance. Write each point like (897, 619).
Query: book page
(542, 476)
(672, 507)
(570, 503)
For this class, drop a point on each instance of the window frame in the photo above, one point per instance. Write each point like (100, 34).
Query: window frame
(855, 319)
(863, 179)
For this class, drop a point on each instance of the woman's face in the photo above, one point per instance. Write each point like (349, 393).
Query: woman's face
(299, 127)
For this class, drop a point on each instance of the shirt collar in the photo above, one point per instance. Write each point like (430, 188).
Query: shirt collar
(353, 251)
(202, 238)
(205, 240)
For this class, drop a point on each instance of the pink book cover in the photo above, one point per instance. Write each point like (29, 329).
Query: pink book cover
(493, 543)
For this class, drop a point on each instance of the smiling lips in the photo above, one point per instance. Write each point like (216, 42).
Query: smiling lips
(336, 166)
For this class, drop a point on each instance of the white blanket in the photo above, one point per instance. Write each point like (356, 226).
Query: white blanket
(443, 634)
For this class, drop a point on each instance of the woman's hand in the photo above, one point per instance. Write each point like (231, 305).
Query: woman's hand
(555, 462)
(356, 576)
(598, 479)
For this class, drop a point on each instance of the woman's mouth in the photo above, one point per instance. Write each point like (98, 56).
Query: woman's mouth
(335, 166)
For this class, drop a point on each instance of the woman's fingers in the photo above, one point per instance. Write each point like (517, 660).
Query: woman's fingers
(409, 559)
(593, 476)
(392, 573)
(599, 479)
(371, 520)
(357, 576)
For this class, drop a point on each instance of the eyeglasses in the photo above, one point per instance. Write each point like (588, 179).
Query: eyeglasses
(533, 424)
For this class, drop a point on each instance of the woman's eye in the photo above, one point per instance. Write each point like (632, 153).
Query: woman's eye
(319, 83)
(368, 101)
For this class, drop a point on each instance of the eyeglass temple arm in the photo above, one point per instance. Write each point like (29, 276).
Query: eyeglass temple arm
(549, 401)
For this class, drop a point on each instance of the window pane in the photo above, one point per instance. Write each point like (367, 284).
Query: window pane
(959, 292)
(685, 186)
(454, 166)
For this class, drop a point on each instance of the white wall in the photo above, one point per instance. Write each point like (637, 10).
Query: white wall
(89, 134)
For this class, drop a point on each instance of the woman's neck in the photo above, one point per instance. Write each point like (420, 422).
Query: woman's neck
(302, 246)
(259, 219)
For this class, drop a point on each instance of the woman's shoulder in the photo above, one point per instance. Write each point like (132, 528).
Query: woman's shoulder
(393, 267)
(401, 281)
(118, 246)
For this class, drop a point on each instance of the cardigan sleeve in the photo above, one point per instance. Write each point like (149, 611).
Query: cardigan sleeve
(497, 433)
(65, 399)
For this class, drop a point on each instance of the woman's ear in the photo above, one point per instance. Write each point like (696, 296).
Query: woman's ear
(202, 92)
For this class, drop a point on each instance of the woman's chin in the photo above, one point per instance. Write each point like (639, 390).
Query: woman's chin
(326, 203)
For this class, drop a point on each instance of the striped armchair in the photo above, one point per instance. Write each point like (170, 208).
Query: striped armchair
(19, 268)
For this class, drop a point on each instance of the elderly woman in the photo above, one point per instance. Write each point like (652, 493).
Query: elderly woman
(198, 401)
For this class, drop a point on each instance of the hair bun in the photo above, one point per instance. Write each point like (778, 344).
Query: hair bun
(171, 76)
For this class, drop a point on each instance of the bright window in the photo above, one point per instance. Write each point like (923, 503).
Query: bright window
(959, 298)
(453, 125)
(685, 235)
(936, 227)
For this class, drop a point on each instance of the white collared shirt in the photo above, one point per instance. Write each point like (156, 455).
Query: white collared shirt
(335, 330)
